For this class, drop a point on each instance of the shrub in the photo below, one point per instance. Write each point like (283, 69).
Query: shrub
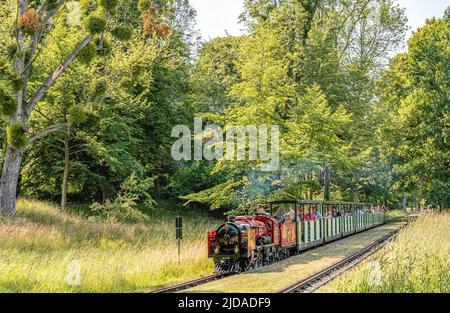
(96, 24)
(15, 135)
(124, 208)
(122, 32)
(88, 53)
(29, 21)
(134, 187)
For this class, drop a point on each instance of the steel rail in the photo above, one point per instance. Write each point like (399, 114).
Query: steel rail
(191, 284)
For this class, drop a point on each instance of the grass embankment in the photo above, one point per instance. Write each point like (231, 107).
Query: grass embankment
(42, 248)
(417, 261)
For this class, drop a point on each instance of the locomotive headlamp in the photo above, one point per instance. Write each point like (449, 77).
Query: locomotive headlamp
(216, 250)
(236, 250)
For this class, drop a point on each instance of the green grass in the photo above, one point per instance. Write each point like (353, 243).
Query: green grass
(40, 246)
(417, 261)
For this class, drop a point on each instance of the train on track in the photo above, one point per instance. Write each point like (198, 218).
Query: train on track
(251, 241)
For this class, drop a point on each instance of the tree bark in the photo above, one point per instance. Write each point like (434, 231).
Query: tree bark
(65, 180)
(326, 184)
(404, 202)
(8, 183)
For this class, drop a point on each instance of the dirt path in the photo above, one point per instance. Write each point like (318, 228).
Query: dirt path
(276, 277)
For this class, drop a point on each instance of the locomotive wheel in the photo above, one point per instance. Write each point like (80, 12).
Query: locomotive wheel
(257, 263)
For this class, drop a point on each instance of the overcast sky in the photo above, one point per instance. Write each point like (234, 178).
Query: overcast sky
(216, 17)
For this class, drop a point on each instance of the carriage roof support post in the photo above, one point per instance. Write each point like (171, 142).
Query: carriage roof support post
(297, 239)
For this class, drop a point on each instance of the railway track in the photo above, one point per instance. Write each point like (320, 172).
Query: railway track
(321, 278)
(191, 284)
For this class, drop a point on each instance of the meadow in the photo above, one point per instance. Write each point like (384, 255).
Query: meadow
(418, 261)
(46, 250)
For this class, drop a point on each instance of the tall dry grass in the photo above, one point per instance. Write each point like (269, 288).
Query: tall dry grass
(39, 247)
(417, 261)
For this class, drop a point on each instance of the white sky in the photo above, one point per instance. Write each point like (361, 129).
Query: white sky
(215, 17)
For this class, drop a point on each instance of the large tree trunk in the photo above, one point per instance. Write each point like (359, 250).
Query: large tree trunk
(65, 180)
(10, 177)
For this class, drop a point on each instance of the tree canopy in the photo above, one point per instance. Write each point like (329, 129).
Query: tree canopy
(90, 91)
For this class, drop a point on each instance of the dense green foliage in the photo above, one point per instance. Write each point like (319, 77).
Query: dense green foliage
(354, 125)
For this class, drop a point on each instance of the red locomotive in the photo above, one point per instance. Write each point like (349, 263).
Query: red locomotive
(246, 242)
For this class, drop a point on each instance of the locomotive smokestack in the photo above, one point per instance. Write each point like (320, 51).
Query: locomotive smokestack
(231, 219)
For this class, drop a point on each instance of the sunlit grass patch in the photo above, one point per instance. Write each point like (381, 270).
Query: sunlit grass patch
(40, 245)
(417, 261)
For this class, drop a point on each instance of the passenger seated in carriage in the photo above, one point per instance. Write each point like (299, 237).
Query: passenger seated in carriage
(335, 213)
(310, 216)
(299, 215)
(317, 214)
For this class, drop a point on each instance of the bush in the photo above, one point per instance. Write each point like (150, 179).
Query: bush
(122, 209)
(88, 53)
(96, 24)
(125, 207)
(134, 187)
(122, 32)
(15, 135)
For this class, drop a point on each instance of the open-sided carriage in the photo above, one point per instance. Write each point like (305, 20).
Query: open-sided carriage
(353, 218)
